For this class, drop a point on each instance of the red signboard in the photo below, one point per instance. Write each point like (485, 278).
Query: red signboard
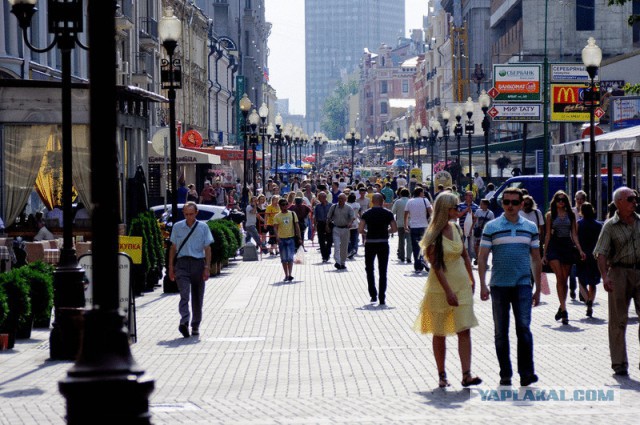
(191, 139)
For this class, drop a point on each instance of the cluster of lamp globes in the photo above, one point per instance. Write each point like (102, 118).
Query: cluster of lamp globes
(352, 136)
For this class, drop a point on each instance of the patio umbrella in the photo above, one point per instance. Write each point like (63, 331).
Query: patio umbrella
(400, 163)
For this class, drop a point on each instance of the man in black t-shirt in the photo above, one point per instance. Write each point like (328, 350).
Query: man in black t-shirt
(374, 227)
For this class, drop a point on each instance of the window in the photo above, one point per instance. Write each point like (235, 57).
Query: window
(384, 108)
(405, 86)
(585, 15)
(383, 87)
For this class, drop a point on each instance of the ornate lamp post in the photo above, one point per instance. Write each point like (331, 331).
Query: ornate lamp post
(446, 115)
(270, 136)
(434, 125)
(485, 101)
(424, 134)
(264, 133)
(469, 129)
(405, 136)
(278, 141)
(254, 118)
(457, 131)
(412, 141)
(245, 107)
(288, 137)
(65, 23)
(352, 138)
(591, 57)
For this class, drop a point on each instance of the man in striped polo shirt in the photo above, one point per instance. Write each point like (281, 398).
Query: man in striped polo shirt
(515, 244)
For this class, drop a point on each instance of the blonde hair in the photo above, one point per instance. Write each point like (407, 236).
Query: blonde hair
(290, 197)
(439, 220)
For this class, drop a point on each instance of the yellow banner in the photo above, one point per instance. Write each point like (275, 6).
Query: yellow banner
(132, 246)
(567, 103)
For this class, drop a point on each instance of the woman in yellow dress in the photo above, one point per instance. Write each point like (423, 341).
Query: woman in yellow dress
(447, 306)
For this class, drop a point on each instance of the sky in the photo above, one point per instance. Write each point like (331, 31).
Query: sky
(286, 46)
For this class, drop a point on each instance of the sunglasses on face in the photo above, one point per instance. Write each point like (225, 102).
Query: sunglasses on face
(561, 200)
(632, 199)
(514, 202)
(526, 204)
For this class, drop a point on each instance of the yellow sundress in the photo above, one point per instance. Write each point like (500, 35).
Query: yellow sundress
(436, 316)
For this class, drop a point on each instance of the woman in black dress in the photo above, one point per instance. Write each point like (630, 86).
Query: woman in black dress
(587, 271)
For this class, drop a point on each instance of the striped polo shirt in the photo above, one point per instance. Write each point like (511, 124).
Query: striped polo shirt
(510, 244)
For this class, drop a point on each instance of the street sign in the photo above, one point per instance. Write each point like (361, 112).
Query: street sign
(569, 73)
(567, 103)
(516, 112)
(517, 83)
(599, 112)
(493, 92)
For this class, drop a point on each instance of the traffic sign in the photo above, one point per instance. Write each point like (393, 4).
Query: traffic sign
(493, 92)
(599, 112)
(516, 112)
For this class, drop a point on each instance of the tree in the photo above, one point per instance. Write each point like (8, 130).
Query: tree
(502, 163)
(335, 110)
(633, 18)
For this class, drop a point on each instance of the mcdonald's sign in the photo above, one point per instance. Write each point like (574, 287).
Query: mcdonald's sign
(568, 103)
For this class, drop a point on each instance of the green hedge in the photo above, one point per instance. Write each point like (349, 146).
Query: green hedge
(146, 225)
(227, 239)
(4, 306)
(39, 276)
(16, 288)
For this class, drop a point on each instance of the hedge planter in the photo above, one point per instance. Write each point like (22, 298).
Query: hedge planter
(16, 288)
(24, 328)
(39, 276)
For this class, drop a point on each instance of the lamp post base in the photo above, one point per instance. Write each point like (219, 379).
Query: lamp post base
(68, 283)
(106, 386)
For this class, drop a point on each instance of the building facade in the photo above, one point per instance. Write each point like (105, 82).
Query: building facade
(336, 34)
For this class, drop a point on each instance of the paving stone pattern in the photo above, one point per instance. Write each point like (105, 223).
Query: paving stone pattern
(315, 351)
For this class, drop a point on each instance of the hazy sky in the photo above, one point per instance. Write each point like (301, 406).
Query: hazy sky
(286, 45)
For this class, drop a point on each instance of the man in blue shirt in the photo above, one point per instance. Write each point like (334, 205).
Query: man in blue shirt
(189, 259)
(515, 243)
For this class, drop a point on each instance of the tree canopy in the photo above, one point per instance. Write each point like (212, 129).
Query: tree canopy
(336, 111)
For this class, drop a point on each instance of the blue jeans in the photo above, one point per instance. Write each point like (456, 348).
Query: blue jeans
(416, 237)
(287, 248)
(353, 240)
(502, 298)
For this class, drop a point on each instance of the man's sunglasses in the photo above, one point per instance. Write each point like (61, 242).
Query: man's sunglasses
(514, 202)
(632, 199)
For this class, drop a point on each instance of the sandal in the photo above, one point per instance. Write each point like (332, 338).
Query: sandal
(443, 382)
(468, 380)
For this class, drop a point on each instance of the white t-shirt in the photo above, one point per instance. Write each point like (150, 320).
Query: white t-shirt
(356, 210)
(532, 216)
(401, 181)
(417, 208)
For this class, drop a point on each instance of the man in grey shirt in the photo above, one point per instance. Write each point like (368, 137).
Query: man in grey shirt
(342, 216)
(404, 238)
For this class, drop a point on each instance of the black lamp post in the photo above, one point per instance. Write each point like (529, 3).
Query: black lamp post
(424, 135)
(412, 141)
(278, 142)
(263, 112)
(446, 115)
(591, 57)
(105, 365)
(170, 30)
(352, 138)
(65, 22)
(245, 107)
(405, 136)
(316, 147)
(485, 101)
(435, 127)
(254, 118)
(469, 129)
(457, 131)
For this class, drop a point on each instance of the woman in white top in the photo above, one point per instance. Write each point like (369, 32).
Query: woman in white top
(353, 230)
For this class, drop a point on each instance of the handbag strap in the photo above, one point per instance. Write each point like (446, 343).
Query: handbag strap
(187, 238)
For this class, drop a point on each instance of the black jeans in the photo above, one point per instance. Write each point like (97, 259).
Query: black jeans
(371, 251)
(324, 239)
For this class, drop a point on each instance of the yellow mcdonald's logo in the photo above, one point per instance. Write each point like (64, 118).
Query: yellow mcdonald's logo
(568, 93)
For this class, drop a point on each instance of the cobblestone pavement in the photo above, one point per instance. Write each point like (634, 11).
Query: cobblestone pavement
(315, 351)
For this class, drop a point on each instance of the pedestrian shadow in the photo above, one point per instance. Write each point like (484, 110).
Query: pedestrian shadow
(592, 321)
(22, 393)
(374, 307)
(564, 328)
(627, 383)
(179, 342)
(285, 283)
(442, 398)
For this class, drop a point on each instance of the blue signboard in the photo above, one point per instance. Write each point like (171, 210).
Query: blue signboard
(625, 112)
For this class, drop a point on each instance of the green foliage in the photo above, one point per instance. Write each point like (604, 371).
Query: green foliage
(632, 18)
(336, 111)
(39, 276)
(146, 225)
(17, 290)
(217, 247)
(227, 239)
(4, 306)
(631, 88)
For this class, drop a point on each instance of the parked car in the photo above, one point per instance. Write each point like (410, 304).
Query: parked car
(205, 212)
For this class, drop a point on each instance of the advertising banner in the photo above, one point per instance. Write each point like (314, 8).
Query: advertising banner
(567, 103)
(514, 112)
(569, 73)
(625, 112)
(517, 83)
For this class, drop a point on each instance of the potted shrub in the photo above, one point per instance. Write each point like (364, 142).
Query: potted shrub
(39, 276)
(17, 290)
(147, 275)
(218, 247)
(4, 311)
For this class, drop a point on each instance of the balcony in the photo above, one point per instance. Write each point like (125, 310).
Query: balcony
(124, 16)
(148, 33)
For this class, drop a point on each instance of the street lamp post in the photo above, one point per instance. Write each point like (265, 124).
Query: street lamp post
(65, 22)
(424, 135)
(264, 131)
(405, 136)
(591, 57)
(485, 101)
(457, 131)
(254, 118)
(469, 129)
(245, 107)
(278, 141)
(446, 115)
(270, 136)
(435, 127)
(352, 138)
(412, 141)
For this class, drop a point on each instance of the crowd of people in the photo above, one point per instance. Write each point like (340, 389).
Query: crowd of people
(445, 236)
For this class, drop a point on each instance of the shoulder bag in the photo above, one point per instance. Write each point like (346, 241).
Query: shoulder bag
(175, 258)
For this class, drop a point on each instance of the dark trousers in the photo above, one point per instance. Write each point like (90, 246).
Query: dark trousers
(324, 239)
(502, 299)
(371, 251)
(189, 279)
(416, 237)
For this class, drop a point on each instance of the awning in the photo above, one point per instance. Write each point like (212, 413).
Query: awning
(627, 139)
(184, 156)
(533, 144)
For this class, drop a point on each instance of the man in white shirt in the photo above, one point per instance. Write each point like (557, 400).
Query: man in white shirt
(416, 214)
